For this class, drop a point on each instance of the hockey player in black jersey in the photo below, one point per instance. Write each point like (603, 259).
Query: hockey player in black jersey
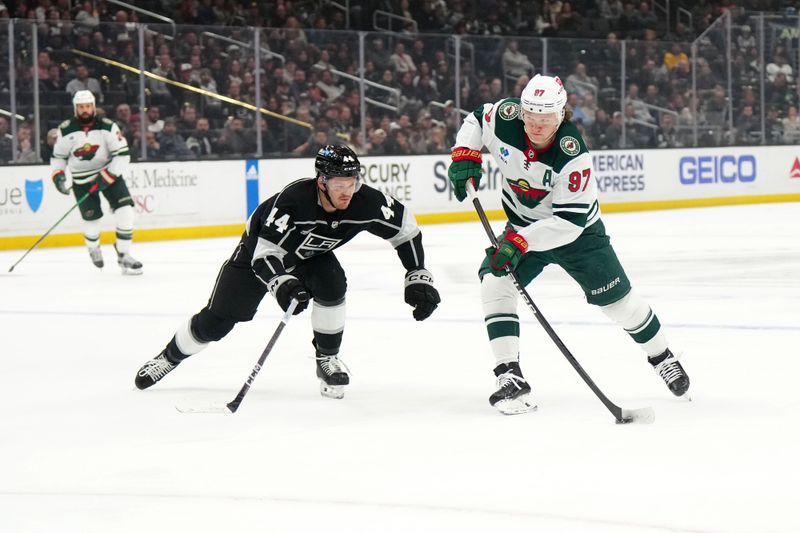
(287, 250)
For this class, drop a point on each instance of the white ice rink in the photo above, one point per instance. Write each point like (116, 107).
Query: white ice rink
(414, 446)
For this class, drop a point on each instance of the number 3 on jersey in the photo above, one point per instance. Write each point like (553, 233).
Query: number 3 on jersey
(280, 224)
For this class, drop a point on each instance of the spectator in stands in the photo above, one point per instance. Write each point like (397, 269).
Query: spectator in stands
(122, 116)
(25, 152)
(154, 122)
(313, 144)
(614, 133)
(791, 126)
(172, 145)
(745, 39)
(236, 140)
(187, 122)
(160, 93)
(378, 55)
(328, 86)
(44, 63)
(579, 82)
(437, 140)
(640, 109)
(586, 110)
(202, 141)
(210, 106)
(83, 81)
(637, 131)
(54, 81)
(667, 134)
(151, 142)
(779, 65)
(377, 141)
(515, 63)
(597, 131)
(748, 127)
(400, 61)
(773, 126)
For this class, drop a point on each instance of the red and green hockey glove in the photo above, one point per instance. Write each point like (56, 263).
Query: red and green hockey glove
(60, 181)
(507, 253)
(105, 179)
(466, 165)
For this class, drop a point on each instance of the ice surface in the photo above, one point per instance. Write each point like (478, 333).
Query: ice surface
(414, 445)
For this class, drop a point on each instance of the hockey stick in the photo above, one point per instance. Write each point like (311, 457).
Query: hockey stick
(234, 404)
(644, 415)
(79, 202)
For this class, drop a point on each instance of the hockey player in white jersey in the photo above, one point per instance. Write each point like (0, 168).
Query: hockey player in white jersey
(96, 153)
(549, 195)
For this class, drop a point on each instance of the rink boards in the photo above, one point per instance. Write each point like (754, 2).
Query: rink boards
(200, 199)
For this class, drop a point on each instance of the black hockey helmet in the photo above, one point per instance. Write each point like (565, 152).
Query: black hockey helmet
(335, 160)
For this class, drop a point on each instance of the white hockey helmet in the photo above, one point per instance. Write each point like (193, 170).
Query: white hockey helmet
(82, 97)
(544, 94)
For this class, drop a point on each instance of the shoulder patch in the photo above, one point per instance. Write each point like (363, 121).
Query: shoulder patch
(570, 145)
(508, 110)
(64, 124)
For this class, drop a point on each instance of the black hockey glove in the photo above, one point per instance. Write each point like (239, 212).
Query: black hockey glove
(421, 294)
(286, 288)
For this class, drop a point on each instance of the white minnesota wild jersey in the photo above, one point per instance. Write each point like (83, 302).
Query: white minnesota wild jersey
(89, 149)
(549, 195)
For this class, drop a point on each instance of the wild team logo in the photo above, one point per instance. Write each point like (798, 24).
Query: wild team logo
(527, 195)
(86, 152)
(570, 145)
(508, 110)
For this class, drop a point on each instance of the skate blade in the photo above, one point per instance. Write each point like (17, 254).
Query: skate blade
(131, 271)
(517, 406)
(331, 391)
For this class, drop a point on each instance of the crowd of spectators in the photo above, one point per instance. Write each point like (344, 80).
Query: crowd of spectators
(308, 73)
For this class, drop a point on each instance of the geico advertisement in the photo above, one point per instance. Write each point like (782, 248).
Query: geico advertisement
(164, 195)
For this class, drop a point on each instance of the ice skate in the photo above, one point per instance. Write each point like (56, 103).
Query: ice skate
(96, 255)
(332, 374)
(671, 371)
(154, 371)
(128, 265)
(513, 392)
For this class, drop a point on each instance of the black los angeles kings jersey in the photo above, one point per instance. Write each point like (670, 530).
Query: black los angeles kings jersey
(292, 226)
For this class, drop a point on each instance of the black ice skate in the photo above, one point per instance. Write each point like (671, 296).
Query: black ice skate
(513, 392)
(671, 371)
(128, 265)
(332, 374)
(153, 371)
(96, 255)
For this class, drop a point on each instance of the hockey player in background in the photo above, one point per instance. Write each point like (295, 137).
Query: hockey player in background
(549, 195)
(287, 250)
(96, 153)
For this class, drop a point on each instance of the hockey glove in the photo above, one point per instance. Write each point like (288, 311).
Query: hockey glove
(466, 165)
(104, 179)
(508, 252)
(286, 288)
(60, 181)
(421, 294)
